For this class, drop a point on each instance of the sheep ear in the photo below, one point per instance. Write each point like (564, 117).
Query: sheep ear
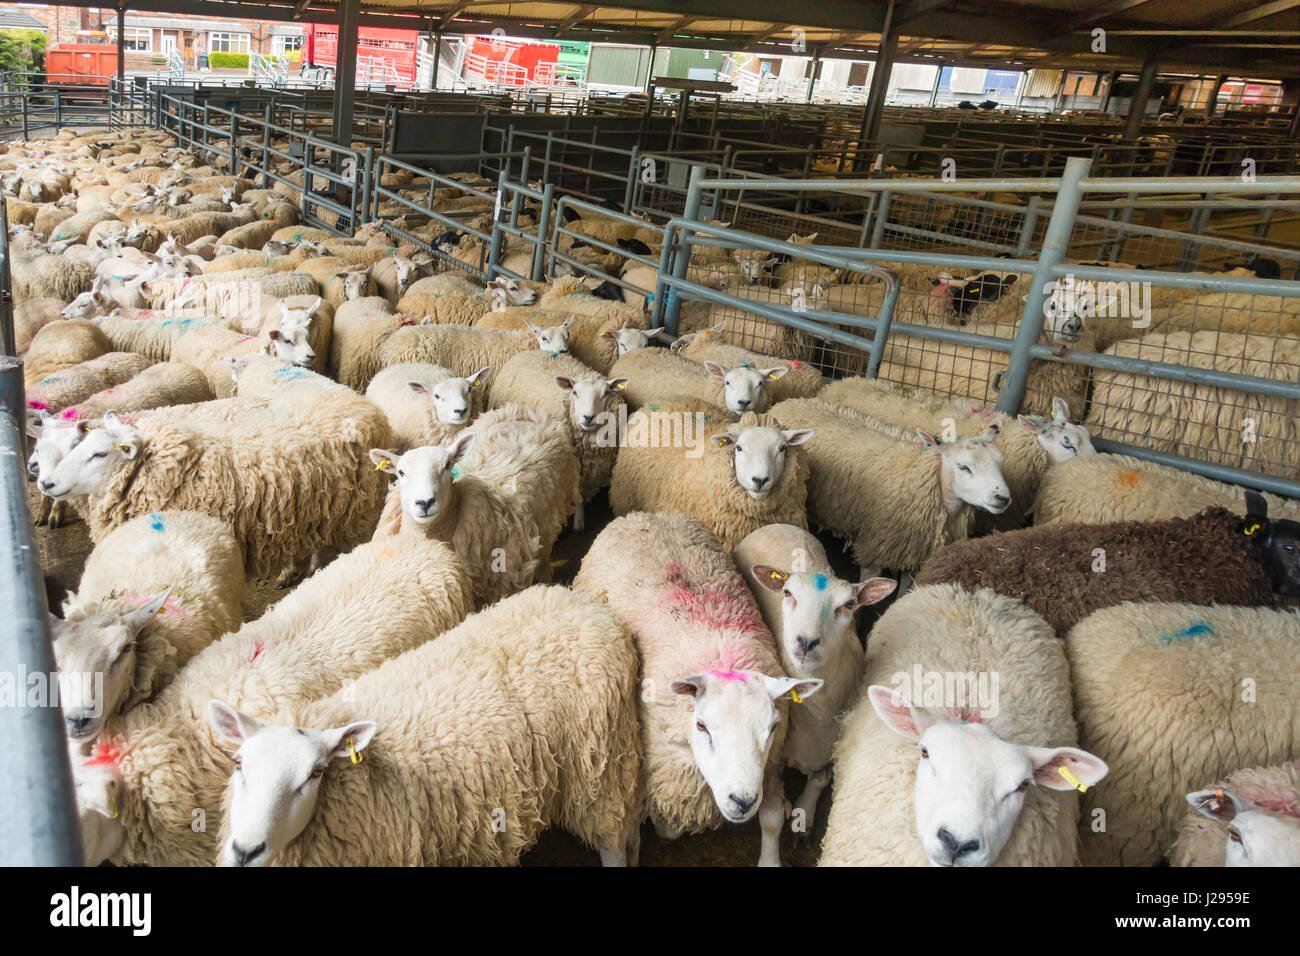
(479, 378)
(692, 686)
(774, 373)
(1054, 766)
(771, 578)
(718, 327)
(84, 427)
(284, 307)
(564, 383)
(1256, 504)
(651, 333)
(874, 590)
(137, 619)
(418, 387)
(617, 384)
(385, 461)
(532, 328)
(722, 439)
(1218, 804)
(715, 369)
(990, 433)
(1060, 411)
(928, 440)
(230, 724)
(568, 323)
(898, 712)
(798, 437)
(609, 335)
(792, 688)
(1028, 423)
(460, 447)
(349, 741)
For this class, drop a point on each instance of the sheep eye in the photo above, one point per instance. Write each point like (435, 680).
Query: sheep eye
(239, 763)
(787, 593)
(98, 454)
(1023, 785)
(317, 771)
(738, 448)
(1234, 834)
(925, 753)
(1067, 443)
(400, 473)
(699, 725)
(964, 468)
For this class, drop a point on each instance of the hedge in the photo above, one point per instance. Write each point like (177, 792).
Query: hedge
(231, 61)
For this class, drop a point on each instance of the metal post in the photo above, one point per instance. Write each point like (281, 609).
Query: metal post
(1213, 102)
(875, 107)
(934, 90)
(494, 247)
(812, 72)
(35, 775)
(543, 227)
(882, 216)
(121, 43)
(650, 71)
(665, 312)
(345, 73)
(1137, 106)
(633, 172)
(1055, 243)
(1110, 85)
(1028, 225)
(437, 58)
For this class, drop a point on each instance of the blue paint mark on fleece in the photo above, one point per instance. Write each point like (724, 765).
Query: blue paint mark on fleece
(819, 580)
(1199, 629)
(156, 520)
(288, 372)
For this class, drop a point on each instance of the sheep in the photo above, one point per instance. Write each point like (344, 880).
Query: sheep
(1172, 695)
(458, 348)
(276, 481)
(297, 330)
(232, 294)
(585, 336)
(158, 769)
(338, 278)
(54, 438)
(361, 327)
(77, 228)
(426, 404)
(1027, 452)
(446, 301)
(629, 339)
(895, 495)
(501, 508)
(572, 392)
(193, 227)
(1249, 818)
(252, 235)
(160, 385)
(752, 472)
(393, 276)
(62, 344)
(981, 683)
(1065, 572)
(1108, 488)
(38, 275)
(78, 382)
(154, 592)
(32, 316)
(810, 614)
(657, 375)
(801, 381)
(151, 333)
(206, 347)
(712, 712)
(524, 755)
(1198, 420)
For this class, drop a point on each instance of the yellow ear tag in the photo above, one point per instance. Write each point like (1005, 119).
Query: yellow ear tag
(779, 575)
(1072, 780)
(794, 696)
(352, 752)
(379, 466)
(112, 805)
(1250, 529)
(122, 448)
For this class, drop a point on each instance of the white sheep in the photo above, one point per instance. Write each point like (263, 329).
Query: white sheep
(712, 709)
(501, 508)
(894, 496)
(426, 404)
(1250, 818)
(574, 393)
(810, 614)
(158, 770)
(658, 376)
(459, 752)
(629, 340)
(965, 728)
(154, 593)
(735, 477)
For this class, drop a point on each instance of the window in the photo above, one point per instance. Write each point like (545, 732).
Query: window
(227, 42)
(134, 39)
(280, 45)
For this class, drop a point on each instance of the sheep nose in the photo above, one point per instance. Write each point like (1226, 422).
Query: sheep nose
(425, 505)
(588, 419)
(460, 412)
(47, 484)
(758, 482)
(744, 402)
(955, 848)
(806, 644)
(79, 726)
(741, 805)
(1002, 500)
(242, 856)
(33, 469)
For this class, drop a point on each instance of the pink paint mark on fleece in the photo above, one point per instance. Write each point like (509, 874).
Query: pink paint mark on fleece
(1285, 805)
(71, 413)
(246, 338)
(723, 610)
(104, 755)
(258, 647)
(729, 676)
(38, 406)
(170, 606)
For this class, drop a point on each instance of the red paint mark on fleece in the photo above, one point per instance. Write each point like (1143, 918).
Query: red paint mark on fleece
(258, 647)
(104, 755)
(246, 338)
(1287, 806)
(729, 676)
(38, 406)
(717, 608)
(171, 605)
(71, 413)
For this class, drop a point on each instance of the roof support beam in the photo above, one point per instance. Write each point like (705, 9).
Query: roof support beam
(1256, 13)
(1137, 106)
(1104, 10)
(573, 19)
(672, 31)
(452, 14)
(914, 8)
(757, 38)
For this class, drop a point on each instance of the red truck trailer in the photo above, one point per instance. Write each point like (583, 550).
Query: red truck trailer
(383, 55)
(89, 60)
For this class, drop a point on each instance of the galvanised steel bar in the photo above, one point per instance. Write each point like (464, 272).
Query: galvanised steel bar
(1055, 243)
(39, 825)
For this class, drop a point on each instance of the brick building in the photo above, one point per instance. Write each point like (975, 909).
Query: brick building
(152, 33)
